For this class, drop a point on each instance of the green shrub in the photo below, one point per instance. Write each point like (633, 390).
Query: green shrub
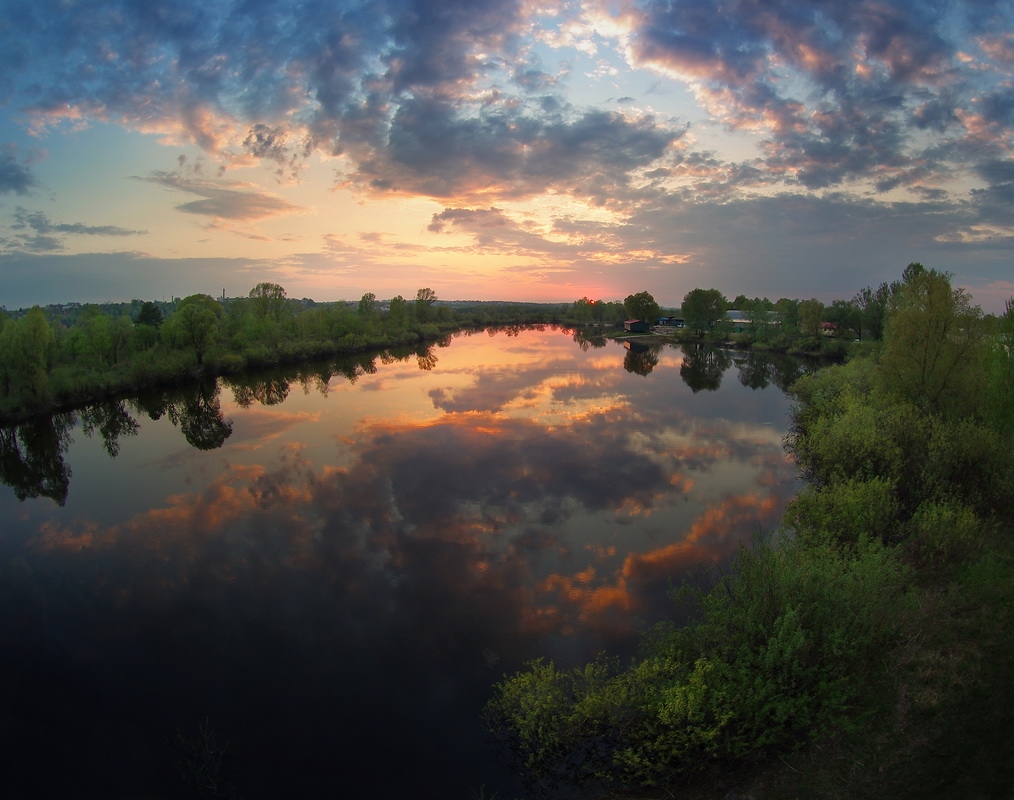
(788, 645)
(846, 511)
(942, 535)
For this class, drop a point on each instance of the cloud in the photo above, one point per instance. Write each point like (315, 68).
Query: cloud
(417, 95)
(35, 232)
(435, 149)
(39, 222)
(27, 278)
(15, 175)
(224, 201)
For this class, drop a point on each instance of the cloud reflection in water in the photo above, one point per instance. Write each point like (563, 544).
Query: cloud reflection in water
(522, 497)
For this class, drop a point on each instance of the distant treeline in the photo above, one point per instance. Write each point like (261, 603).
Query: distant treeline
(66, 355)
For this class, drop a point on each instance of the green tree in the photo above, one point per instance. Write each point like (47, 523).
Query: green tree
(367, 305)
(195, 324)
(702, 308)
(846, 316)
(26, 352)
(811, 314)
(787, 309)
(424, 300)
(269, 301)
(149, 314)
(397, 313)
(998, 403)
(873, 304)
(146, 326)
(641, 306)
(935, 345)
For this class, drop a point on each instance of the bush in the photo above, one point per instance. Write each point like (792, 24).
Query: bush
(846, 511)
(942, 535)
(784, 648)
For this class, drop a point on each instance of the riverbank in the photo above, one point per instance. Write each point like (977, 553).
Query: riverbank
(70, 388)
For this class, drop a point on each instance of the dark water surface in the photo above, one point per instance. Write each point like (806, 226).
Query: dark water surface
(324, 572)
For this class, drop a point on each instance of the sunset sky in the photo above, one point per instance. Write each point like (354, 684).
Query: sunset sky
(537, 150)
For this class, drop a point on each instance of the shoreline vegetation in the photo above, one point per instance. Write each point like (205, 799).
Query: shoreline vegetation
(862, 650)
(65, 356)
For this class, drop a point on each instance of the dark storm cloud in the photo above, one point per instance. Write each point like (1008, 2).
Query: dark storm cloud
(15, 175)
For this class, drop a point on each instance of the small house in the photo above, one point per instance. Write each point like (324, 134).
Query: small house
(636, 326)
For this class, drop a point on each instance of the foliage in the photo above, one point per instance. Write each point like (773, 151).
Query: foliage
(702, 308)
(424, 300)
(935, 347)
(642, 306)
(997, 404)
(195, 324)
(268, 300)
(849, 431)
(202, 761)
(777, 654)
(27, 347)
(811, 314)
(149, 314)
(868, 627)
(872, 305)
(367, 304)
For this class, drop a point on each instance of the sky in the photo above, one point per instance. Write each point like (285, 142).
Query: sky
(529, 150)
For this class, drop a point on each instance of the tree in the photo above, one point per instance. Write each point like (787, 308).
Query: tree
(146, 326)
(846, 316)
(424, 300)
(998, 404)
(702, 308)
(811, 314)
(149, 314)
(397, 312)
(195, 324)
(641, 306)
(268, 300)
(787, 309)
(935, 345)
(26, 352)
(872, 304)
(32, 457)
(367, 305)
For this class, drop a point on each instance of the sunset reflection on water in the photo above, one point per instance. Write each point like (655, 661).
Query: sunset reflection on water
(382, 548)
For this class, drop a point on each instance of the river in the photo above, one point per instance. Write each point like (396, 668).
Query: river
(305, 583)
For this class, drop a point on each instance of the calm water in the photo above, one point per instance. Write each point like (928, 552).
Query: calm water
(329, 569)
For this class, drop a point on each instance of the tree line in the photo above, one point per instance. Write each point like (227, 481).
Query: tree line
(84, 352)
(860, 650)
(64, 356)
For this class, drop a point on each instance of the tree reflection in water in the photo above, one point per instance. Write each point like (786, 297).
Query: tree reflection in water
(703, 367)
(31, 457)
(640, 358)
